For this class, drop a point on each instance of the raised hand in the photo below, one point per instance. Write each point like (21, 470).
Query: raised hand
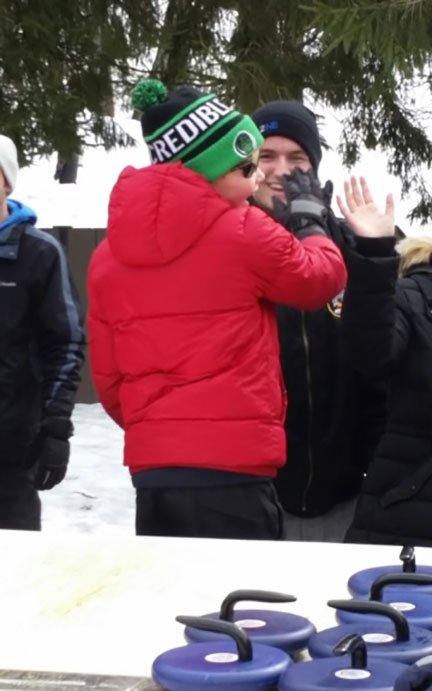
(362, 213)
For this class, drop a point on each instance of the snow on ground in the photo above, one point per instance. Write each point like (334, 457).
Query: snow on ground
(97, 494)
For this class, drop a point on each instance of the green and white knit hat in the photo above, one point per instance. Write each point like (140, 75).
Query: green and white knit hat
(187, 125)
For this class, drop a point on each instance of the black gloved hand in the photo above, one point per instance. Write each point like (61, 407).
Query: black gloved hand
(327, 193)
(305, 210)
(52, 462)
(52, 450)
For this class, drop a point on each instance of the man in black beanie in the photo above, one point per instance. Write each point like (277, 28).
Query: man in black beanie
(334, 417)
(291, 141)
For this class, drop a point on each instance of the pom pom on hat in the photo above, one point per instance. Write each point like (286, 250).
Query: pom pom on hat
(148, 92)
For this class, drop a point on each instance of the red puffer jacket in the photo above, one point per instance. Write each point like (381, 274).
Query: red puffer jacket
(183, 338)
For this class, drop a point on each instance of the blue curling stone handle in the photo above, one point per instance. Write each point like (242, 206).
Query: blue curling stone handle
(216, 665)
(289, 632)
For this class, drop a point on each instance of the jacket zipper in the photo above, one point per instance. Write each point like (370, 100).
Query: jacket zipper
(310, 402)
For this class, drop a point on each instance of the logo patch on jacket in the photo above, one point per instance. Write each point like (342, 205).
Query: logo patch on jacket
(335, 305)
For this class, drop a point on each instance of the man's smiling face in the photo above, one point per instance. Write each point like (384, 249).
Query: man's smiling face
(278, 156)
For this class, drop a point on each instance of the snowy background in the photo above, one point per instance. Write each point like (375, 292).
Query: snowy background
(84, 205)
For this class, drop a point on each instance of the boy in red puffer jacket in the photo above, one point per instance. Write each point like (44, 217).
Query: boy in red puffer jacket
(183, 337)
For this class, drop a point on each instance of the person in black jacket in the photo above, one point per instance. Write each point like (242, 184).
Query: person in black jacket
(394, 341)
(41, 352)
(335, 416)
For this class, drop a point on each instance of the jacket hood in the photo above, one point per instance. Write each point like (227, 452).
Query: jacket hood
(157, 213)
(18, 213)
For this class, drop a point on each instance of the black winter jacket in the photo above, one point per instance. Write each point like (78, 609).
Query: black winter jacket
(335, 414)
(395, 504)
(41, 340)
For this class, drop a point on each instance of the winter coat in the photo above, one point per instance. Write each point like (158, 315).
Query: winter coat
(41, 336)
(336, 416)
(183, 337)
(395, 504)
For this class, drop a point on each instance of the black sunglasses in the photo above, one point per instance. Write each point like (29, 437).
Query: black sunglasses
(248, 168)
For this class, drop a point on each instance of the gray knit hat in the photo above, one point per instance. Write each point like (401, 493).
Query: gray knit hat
(8, 160)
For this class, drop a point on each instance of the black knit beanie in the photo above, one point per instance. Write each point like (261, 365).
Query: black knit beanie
(290, 119)
(196, 128)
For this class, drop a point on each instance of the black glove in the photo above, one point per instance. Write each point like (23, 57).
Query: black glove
(52, 450)
(327, 193)
(52, 463)
(305, 211)
(337, 228)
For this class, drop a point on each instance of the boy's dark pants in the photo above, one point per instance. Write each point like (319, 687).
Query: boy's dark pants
(249, 511)
(20, 506)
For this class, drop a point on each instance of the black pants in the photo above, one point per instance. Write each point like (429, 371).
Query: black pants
(249, 511)
(20, 506)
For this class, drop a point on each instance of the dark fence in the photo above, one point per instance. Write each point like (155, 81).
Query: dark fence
(79, 244)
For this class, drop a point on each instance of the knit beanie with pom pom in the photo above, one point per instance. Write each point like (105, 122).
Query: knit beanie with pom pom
(188, 125)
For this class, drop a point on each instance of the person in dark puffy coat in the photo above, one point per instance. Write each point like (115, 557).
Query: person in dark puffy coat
(391, 337)
(41, 353)
(183, 336)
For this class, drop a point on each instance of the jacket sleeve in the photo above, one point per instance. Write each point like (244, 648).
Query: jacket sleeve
(303, 274)
(59, 334)
(106, 376)
(402, 326)
(374, 325)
